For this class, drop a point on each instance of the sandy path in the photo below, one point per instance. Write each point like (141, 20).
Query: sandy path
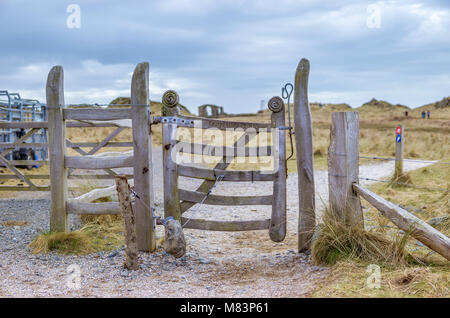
(219, 264)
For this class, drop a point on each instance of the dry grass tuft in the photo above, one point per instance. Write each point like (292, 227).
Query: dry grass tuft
(65, 243)
(14, 223)
(337, 241)
(99, 233)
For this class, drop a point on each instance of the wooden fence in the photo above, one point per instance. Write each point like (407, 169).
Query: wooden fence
(62, 165)
(345, 191)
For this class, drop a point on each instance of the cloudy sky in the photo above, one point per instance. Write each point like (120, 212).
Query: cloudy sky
(233, 53)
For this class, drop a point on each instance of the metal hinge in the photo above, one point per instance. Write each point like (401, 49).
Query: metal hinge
(173, 120)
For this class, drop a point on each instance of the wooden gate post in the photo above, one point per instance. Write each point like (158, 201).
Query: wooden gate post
(399, 145)
(170, 173)
(142, 150)
(343, 168)
(305, 157)
(57, 150)
(277, 229)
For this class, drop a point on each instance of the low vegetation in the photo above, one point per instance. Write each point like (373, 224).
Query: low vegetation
(337, 241)
(98, 233)
(418, 271)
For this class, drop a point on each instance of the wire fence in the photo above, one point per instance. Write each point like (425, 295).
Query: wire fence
(396, 182)
(405, 159)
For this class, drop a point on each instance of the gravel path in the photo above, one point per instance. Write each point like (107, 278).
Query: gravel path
(217, 264)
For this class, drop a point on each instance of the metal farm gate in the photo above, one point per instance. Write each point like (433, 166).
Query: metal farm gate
(14, 109)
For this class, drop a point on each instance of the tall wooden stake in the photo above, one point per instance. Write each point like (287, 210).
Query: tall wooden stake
(123, 194)
(343, 167)
(143, 174)
(57, 150)
(277, 229)
(305, 157)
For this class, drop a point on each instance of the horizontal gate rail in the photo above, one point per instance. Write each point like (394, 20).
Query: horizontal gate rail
(197, 197)
(93, 208)
(223, 151)
(229, 175)
(20, 188)
(96, 114)
(93, 162)
(210, 225)
(224, 124)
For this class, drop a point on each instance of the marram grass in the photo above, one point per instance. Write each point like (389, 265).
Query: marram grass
(99, 233)
(337, 241)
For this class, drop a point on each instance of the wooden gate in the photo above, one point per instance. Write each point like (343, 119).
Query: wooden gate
(61, 163)
(178, 201)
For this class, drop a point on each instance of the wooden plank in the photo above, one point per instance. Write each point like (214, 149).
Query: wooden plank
(93, 162)
(73, 176)
(44, 124)
(407, 222)
(12, 146)
(113, 144)
(197, 197)
(93, 208)
(87, 124)
(57, 144)
(230, 175)
(29, 176)
(305, 157)
(210, 225)
(277, 229)
(399, 146)
(343, 168)
(142, 149)
(19, 188)
(100, 114)
(22, 124)
(27, 162)
(126, 209)
(223, 151)
(206, 123)
(170, 172)
(94, 176)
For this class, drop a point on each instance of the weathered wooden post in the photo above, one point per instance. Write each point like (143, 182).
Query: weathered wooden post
(57, 150)
(399, 145)
(172, 207)
(277, 229)
(126, 209)
(343, 168)
(305, 157)
(142, 149)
